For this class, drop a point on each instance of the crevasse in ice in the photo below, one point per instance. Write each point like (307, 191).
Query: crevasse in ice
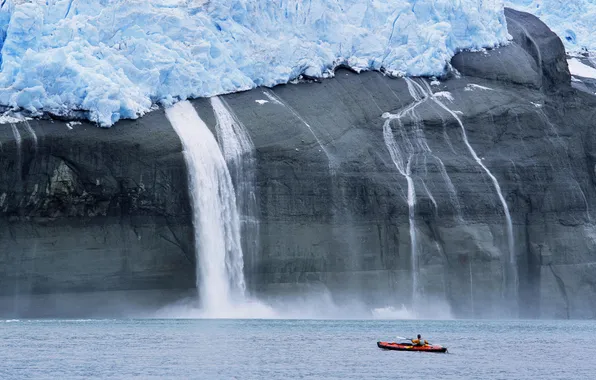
(114, 59)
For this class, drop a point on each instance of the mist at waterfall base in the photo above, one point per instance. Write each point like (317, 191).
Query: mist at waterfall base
(311, 305)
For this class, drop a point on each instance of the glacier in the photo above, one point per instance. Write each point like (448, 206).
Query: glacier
(111, 59)
(573, 21)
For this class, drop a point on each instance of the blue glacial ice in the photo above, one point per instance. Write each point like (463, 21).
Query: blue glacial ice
(574, 21)
(113, 59)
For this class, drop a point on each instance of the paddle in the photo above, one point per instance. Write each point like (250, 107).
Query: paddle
(402, 338)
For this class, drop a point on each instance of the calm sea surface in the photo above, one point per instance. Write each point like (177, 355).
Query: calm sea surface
(293, 349)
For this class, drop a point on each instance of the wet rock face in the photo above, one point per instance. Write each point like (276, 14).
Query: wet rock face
(90, 209)
(534, 58)
(334, 203)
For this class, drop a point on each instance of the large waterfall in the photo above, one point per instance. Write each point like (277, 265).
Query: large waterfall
(221, 183)
(220, 277)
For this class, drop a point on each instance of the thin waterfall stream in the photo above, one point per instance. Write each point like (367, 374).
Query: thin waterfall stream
(510, 265)
(239, 153)
(404, 156)
(403, 166)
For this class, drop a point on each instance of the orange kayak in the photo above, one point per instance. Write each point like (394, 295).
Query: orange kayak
(411, 347)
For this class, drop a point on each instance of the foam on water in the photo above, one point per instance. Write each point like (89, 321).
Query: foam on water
(240, 309)
(435, 309)
(390, 312)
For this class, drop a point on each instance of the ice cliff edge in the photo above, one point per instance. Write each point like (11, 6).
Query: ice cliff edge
(115, 59)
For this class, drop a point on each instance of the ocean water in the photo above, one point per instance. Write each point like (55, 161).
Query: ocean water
(293, 349)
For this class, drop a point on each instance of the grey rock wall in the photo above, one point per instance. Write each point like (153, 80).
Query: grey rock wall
(90, 210)
(85, 209)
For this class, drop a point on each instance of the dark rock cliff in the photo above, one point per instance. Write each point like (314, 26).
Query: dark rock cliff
(85, 209)
(90, 210)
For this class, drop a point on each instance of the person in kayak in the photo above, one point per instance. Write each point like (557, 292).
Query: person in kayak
(419, 341)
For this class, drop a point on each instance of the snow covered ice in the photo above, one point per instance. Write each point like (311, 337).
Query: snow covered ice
(579, 69)
(114, 59)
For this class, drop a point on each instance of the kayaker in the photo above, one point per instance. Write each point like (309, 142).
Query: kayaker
(419, 341)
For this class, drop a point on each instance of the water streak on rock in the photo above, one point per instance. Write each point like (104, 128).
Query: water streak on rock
(512, 264)
(239, 153)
